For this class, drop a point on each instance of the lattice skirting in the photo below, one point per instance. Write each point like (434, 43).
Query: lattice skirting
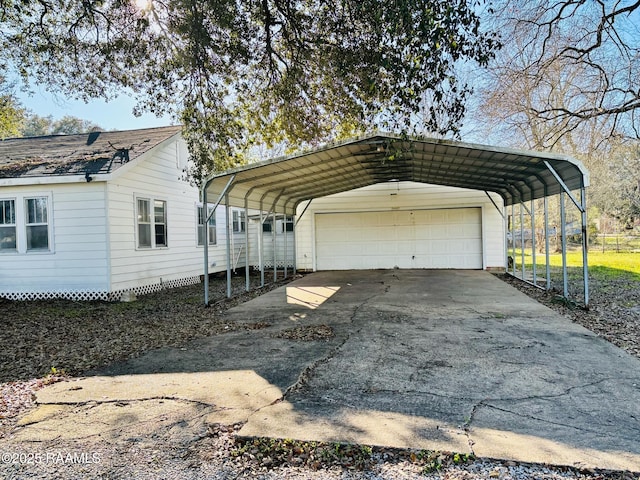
(84, 295)
(269, 265)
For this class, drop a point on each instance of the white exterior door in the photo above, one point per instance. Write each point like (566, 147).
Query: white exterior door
(441, 238)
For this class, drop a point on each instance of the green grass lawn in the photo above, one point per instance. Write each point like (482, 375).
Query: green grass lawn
(607, 264)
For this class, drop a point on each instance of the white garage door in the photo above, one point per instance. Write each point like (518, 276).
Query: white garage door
(444, 238)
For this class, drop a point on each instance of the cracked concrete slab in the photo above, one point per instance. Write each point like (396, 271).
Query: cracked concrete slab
(447, 360)
(125, 405)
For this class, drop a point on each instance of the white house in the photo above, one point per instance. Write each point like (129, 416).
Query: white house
(92, 216)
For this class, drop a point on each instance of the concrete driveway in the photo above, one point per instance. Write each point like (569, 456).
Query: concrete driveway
(448, 360)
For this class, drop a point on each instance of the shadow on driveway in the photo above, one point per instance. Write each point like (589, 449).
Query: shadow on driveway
(447, 360)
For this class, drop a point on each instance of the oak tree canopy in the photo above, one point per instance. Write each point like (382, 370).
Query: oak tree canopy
(236, 72)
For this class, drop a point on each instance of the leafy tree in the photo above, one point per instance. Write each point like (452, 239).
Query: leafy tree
(35, 125)
(11, 113)
(239, 72)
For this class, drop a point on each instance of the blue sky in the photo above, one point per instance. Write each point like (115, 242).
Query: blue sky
(114, 115)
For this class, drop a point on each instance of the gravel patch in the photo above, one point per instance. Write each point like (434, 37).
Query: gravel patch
(74, 337)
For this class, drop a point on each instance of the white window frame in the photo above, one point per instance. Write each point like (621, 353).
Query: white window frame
(288, 220)
(267, 226)
(10, 225)
(20, 202)
(42, 222)
(280, 225)
(199, 209)
(239, 221)
(152, 222)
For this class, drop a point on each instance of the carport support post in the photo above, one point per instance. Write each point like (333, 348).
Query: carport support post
(513, 239)
(533, 241)
(206, 246)
(284, 228)
(294, 246)
(546, 239)
(284, 273)
(261, 246)
(229, 233)
(246, 249)
(585, 246)
(207, 216)
(522, 238)
(563, 241)
(275, 246)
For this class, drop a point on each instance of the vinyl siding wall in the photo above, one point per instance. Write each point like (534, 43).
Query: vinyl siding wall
(77, 260)
(403, 196)
(284, 242)
(158, 178)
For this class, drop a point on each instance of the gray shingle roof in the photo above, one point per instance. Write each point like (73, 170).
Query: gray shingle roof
(93, 153)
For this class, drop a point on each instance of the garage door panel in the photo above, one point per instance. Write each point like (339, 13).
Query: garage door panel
(446, 238)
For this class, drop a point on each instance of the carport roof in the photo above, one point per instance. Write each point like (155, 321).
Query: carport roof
(280, 184)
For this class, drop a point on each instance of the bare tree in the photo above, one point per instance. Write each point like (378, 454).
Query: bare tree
(595, 47)
(565, 81)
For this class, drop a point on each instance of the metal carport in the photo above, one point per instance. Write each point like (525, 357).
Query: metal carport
(278, 186)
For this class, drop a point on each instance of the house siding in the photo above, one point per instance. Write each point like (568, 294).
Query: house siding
(284, 246)
(78, 257)
(403, 196)
(157, 176)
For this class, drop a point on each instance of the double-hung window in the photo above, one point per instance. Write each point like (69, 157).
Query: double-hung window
(288, 224)
(239, 221)
(8, 225)
(25, 224)
(211, 226)
(160, 222)
(37, 223)
(151, 223)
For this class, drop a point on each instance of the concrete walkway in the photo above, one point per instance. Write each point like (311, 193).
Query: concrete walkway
(448, 360)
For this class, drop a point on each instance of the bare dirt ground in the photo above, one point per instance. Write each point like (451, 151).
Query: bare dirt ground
(42, 341)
